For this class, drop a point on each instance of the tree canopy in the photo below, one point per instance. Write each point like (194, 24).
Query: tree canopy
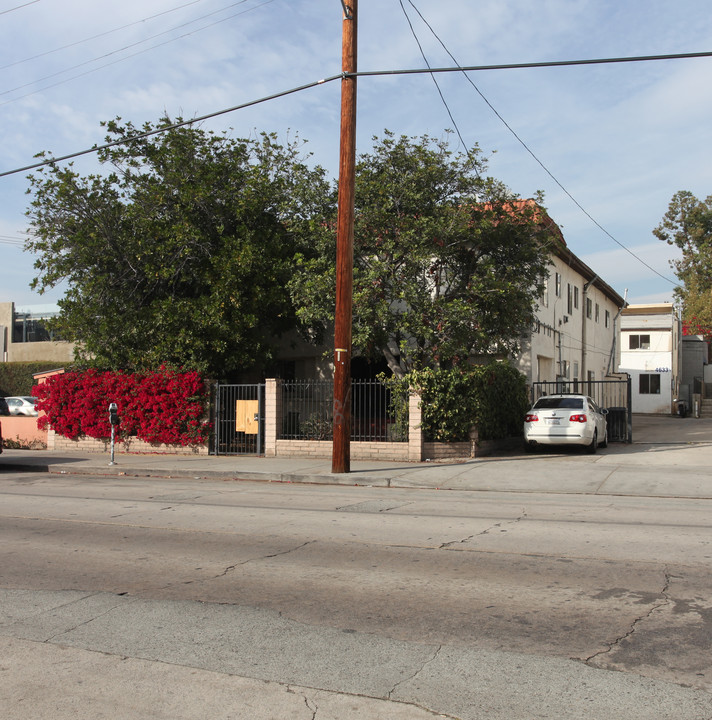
(447, 262)
(688, 225)
(180, 253)
(198, 250)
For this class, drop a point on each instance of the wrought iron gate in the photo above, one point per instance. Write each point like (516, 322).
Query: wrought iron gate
(239, 419)
(614, 395)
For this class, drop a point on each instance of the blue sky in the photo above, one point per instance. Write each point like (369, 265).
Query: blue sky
(621, 139)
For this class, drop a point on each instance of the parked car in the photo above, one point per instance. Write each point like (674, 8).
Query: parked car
(4, 409)
(0, 437)
(566, 420)
(24, 405)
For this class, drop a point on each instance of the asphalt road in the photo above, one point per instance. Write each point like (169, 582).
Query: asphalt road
(147, 598)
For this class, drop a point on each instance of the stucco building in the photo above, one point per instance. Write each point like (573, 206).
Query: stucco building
(25, 338)
(573, 336)
(651, 353)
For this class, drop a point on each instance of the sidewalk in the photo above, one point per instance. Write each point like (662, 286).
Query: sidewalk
(669, 457)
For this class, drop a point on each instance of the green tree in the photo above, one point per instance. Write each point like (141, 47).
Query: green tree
(180, 252)
(688, 225)
(446, 262)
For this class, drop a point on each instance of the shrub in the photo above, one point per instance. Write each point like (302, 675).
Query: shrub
(16, 377)
(159, 407)
(491, 397)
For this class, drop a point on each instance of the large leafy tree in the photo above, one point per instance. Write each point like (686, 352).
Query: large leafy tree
(180, 251)
(687, 224)
(447, 263)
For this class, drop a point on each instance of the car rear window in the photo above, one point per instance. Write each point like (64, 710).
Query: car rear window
(549, 403)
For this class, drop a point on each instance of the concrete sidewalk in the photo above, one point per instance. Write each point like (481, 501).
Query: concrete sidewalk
(670, 457)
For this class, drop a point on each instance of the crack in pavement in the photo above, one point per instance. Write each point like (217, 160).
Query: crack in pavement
(426, 662)
(230, 568)
(86, 622)
(636, 622)
(486, 531)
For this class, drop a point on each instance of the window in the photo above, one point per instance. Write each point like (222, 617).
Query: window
(649, 384)
(639, 342)
(545, 294)
(589, 308)
(565, 368)
(576, 370)
(558, 284)
(576, 295)
(30, 327)
(608, 318)
(598, 312)
(568, 299)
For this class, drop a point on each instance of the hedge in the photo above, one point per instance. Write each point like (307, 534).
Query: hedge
(16, 377)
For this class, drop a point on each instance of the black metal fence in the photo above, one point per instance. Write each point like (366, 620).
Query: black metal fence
(614, 395)
(377, 413)
(239, 419)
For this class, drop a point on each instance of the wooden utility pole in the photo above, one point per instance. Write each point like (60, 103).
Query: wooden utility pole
(341, 453)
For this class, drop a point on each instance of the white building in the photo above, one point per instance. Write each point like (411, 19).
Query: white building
(651, 353)
(573, 337)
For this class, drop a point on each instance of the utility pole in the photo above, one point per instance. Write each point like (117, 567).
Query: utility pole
(341, 453)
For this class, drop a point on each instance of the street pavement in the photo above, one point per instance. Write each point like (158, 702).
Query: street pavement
(670, 457)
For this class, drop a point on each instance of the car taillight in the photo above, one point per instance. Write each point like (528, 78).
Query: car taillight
(531, 418)
(578, 418)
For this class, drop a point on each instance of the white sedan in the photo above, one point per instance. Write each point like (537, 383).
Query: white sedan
(566, 420)
(22, 405)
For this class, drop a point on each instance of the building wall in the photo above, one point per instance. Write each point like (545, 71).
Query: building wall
(651, 352)
(59, 352)
(564, 342)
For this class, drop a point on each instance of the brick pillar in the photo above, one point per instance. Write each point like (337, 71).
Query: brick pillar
(273, 414)
(415, 433)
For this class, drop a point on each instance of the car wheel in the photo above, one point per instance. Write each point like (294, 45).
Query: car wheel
(604, 444)
(591, 449)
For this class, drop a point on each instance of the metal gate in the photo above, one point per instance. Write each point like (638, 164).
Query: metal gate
(239, 419)
(614, 395)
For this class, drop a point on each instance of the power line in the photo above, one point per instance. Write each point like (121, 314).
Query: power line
(166, 128)
(543, 64)
(18, 7)
(425, 59)
(531, 152)
(323, 81)
(99, 35)
(126, 57)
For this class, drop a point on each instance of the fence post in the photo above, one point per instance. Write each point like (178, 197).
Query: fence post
(415, 432)
(273, 414)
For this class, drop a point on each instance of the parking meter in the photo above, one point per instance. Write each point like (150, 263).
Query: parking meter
(114, 420)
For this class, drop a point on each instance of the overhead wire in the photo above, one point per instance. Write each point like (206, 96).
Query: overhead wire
(128, 47)
(18, 7)
(167, 128)
(98, 35)
(306, 86)
(437, 85)
(531, 152)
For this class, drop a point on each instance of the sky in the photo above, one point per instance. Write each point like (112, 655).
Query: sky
(609, 145)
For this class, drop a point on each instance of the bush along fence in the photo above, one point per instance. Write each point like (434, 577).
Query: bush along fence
(158, 410)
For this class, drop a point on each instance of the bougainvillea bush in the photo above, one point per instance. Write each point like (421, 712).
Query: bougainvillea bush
(163, 407)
